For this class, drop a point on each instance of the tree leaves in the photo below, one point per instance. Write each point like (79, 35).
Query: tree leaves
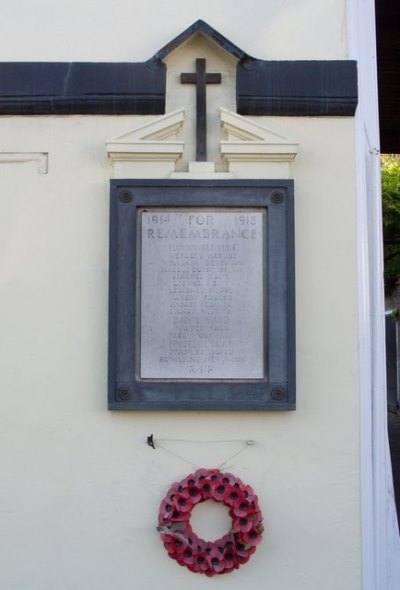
(391, 220)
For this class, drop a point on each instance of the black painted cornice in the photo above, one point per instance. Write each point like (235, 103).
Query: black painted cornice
(286, 88)
(297, 88)
(51, 88)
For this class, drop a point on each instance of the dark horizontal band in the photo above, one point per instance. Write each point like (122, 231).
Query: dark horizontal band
(286, 88)
(82, 88)
(296, 88)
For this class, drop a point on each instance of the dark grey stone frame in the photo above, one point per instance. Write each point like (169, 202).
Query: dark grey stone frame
(277, 390)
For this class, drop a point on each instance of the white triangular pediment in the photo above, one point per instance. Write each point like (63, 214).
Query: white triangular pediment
(162, 128)
(245, 144)
(252, 149)
(153, 141)
(239, 128)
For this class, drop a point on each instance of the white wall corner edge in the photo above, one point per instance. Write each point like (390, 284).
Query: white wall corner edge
(380, 533)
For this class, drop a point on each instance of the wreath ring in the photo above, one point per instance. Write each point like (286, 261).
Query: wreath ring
(230, 551)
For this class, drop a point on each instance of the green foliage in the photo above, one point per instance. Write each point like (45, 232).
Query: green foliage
(391, 220)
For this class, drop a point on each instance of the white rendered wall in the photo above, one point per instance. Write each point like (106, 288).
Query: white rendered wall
(82, 489)
(125, 30)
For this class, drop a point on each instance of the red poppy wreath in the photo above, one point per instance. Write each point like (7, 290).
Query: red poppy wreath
(230, 551)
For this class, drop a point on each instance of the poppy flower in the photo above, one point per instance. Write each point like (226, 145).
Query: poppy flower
(229, 479)
(183, 504)
(240, 507)
(242, 524)
(188, 557)
(171, 495)
(200, 562)
(216, 561)
(230, 559)
(166, 509)
(177, 516)
(206, 488)
(215, 475)
(253, 537)
(220, 490)
(232, 495)
(249, 494)
(243, 549)
(192, 493)
(175, 545)
(190, 480)
(205, 473)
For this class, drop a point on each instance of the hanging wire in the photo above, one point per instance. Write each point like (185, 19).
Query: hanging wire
(178, 456)
(151, 443)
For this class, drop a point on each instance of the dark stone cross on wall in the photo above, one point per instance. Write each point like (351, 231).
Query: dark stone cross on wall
(201, 79)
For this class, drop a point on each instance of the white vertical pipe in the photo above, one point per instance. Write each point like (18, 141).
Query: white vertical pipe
(380, 540)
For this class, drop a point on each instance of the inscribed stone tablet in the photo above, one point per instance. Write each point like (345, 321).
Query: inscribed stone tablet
(202, 294)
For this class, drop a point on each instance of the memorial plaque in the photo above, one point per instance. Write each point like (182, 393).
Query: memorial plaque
(202, 293)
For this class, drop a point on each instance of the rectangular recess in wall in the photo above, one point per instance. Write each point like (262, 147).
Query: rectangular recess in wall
(201, 295)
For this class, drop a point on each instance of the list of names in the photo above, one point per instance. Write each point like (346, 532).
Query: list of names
(202, 294)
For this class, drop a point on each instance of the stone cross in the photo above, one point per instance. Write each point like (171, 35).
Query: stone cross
(201, 78)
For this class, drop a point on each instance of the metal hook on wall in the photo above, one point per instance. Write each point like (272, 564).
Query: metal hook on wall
(150, 441)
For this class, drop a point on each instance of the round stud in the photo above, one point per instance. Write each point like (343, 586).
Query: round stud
(277, 197)
(123, 393)
(125, 196)
(278, 393)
